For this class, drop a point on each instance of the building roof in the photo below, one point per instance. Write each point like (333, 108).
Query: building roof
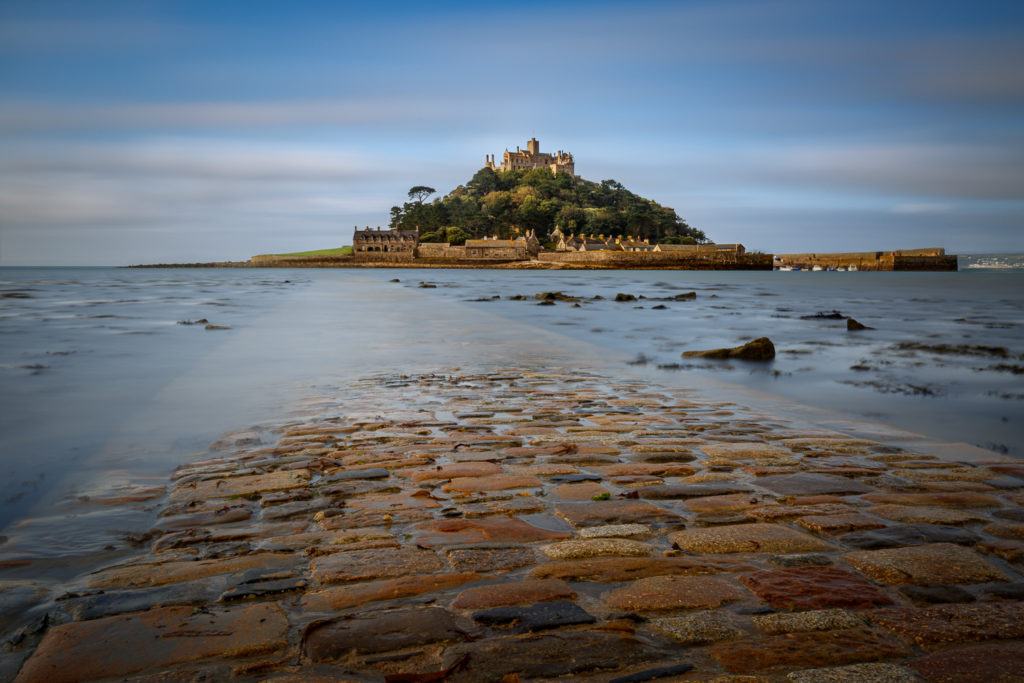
(477, 244)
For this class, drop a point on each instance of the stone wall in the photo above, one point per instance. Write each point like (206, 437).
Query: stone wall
(905, 259)
(654, 259)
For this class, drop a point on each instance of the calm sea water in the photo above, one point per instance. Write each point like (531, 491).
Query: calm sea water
(100, 382)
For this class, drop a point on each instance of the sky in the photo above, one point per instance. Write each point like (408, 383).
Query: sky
(144, 131)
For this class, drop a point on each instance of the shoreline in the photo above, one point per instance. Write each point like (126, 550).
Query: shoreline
(485, 525)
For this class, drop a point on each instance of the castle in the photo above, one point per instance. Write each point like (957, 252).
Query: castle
(532, 157)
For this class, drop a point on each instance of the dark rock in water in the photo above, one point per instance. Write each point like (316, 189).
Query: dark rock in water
(685, 296)
(760, 349)
(909, 534)
(537, 617)
(427, 285)
(556, 296)
(218, 327)
(394, 279)
(598, 297)
(824, 315)
(659, 307)
(624, 297)
(854, 326)
(370, 473)
(517, 297)
(547, 302)
(640, 359)
(935, 593)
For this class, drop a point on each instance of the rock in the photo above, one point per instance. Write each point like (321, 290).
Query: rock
(160, 574)
(358, 565)
(919, 514)
(673, 592)
(811, 484)
(801, 560)
(652, 674)
(240, 486)
(619, 569)
(217, 327)
(556, 296)
(1007, 591)
(615, 512)
(337, 598)
(871, 672)
(624, 297)
(597, 547)
(925, 564)
(616, 531)
(824, 315)
(538, 617)
(490, 559)
(677, 491)
(451, 532)
(802, 622)
(697, 629)
(854, 326)
(550, 655)
(986, 663)
(936, 627)
(909, 534)
(748, 538)
(853, 521)
(814, 588)
(937, 593)
(384, 632)
(815, 649)
(347, 475)
(460, 469)
(497, 482)
(685, 296)
(753, 450)
(118, 646)
(659, 307)
(513, 593)
(426, 285)
(760, 349)
(954, 499)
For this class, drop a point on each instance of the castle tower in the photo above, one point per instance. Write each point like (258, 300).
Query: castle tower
(532, 146)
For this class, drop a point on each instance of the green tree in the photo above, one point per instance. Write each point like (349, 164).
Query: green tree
(420, 192)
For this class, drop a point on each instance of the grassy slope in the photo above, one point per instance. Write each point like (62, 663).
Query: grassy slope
(339, 251)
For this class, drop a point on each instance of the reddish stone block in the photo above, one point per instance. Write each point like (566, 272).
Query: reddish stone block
(121, 645)
(444, 532)
(988, 663)
(814, 588)
(954, 623)
(513, 593)
(806, 650)
(673, 592)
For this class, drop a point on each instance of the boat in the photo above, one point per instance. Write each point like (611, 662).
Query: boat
(817, 268)
(785, 268)
(852, 268)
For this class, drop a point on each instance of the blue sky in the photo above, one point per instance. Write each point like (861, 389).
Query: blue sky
(186, 131)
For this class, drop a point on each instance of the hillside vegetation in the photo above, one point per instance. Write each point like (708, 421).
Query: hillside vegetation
(508, 203)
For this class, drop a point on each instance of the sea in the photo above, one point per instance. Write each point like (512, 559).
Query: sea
(112, 377)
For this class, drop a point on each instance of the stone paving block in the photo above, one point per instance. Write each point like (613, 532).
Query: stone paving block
(462, 469)
(872, 672)
(801, 622)
(359, 565)
(694, 490)
(616, 531)
(925, 564)
(586, 490)
(548, 655)
(497, 482)
(697, 629)
(853, 521)
(395, 502)
(597, 547)
(615, 512)
(513, 593)
(728, 502)
(909, 534)
(986, 663)
(450, 532)
(539, 617)
(673, 592)
(120, 645)
(747, 451)
(937, 593)
(490, 559)
(922, 514)
(385, 632)
(806, 650)
(748, 538)
(957, 500)
(940, 625)
(173, 572)
(336, 598)
(814, 588)
(811, 484)
(617, 569)
(240, 486)
(1005, 530)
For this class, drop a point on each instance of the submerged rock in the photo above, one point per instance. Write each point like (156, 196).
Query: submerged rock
(760, 349)
(854, 326)
(624, 297)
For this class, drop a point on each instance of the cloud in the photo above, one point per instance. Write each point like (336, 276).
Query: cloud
(921, 207)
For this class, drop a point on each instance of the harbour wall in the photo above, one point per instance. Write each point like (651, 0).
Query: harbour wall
(904, 259)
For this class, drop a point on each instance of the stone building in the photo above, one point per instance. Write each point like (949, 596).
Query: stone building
(532, 157)
(519, 249)
(384, 245)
